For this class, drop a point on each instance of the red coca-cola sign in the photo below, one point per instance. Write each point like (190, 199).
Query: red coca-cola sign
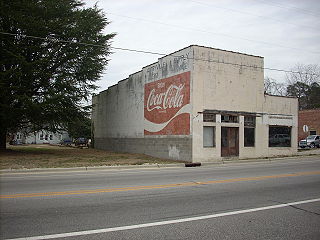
(167, 106)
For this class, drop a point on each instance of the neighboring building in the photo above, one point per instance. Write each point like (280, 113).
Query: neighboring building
(40, 137)
(196, 104)
(310, 119)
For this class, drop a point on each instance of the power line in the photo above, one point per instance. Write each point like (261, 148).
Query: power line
(214, 33)
(252, 14)
(283, 6)
(139, 51)
(52, 39)
(80, 43)
(157, 53)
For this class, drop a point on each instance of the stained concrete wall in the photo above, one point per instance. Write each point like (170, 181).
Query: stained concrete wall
(236, 87)
(224, 87)
(219, 85)
(170, 65)
(168, 148)
(215, 84)
(281, 111)
(118, 112)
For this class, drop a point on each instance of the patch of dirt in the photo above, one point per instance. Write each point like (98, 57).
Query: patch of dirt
(47, 156)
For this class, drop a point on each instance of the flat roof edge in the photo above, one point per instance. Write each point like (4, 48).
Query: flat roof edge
(251, 55)
(190, 46)
(270, 95)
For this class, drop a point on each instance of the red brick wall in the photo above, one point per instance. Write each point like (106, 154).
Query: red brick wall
(311, 118)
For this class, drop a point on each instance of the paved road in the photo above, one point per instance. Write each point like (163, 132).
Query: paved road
(269, 200)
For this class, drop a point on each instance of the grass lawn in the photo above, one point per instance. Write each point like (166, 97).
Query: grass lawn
(46, 156)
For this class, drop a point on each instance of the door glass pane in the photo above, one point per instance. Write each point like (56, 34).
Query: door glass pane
(232, 138)
(224, 137)
(249, 137)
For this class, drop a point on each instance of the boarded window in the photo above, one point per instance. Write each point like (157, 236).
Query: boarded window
(249, 137)
(41, 136)
(208, 137)
(229, 118)
(209, 117)
(279, 136)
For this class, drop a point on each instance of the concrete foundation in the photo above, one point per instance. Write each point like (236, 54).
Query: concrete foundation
(178, 148)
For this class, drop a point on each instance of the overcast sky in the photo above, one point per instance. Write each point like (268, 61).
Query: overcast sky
(283, 32)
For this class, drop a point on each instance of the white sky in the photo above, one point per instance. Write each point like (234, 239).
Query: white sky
(283, 32)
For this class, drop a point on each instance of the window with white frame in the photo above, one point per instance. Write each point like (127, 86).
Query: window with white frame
(249, 131)
(279, 136)
(208, 136)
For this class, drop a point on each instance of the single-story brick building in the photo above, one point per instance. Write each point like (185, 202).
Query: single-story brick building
(311, 119)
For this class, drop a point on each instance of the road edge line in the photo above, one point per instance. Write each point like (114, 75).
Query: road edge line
(161, 223)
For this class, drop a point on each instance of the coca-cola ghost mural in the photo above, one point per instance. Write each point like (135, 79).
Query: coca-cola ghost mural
(167, 106)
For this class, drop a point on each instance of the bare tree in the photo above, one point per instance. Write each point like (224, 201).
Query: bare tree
(272, 87)
(304, 83)
(302, 73)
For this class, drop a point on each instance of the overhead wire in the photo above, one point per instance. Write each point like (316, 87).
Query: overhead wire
(279, 5)
(157, 53)
(214, 33)
(252, 14)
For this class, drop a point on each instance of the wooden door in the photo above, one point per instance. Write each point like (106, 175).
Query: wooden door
(229, 141)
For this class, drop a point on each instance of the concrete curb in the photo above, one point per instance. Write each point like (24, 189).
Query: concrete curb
(176, 165)
(76, 169)
(256, 160)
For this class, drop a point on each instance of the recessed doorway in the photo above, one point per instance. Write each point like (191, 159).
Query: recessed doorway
(229, 141)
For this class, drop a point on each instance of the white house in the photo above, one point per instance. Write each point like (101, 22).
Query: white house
(41, 137)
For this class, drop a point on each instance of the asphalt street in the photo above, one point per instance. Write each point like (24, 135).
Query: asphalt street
(267, 200)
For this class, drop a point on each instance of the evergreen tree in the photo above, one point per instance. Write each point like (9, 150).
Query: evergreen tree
(52, 54)
(80, 127)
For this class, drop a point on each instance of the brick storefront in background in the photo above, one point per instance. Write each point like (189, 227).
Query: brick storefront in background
(311, 118)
